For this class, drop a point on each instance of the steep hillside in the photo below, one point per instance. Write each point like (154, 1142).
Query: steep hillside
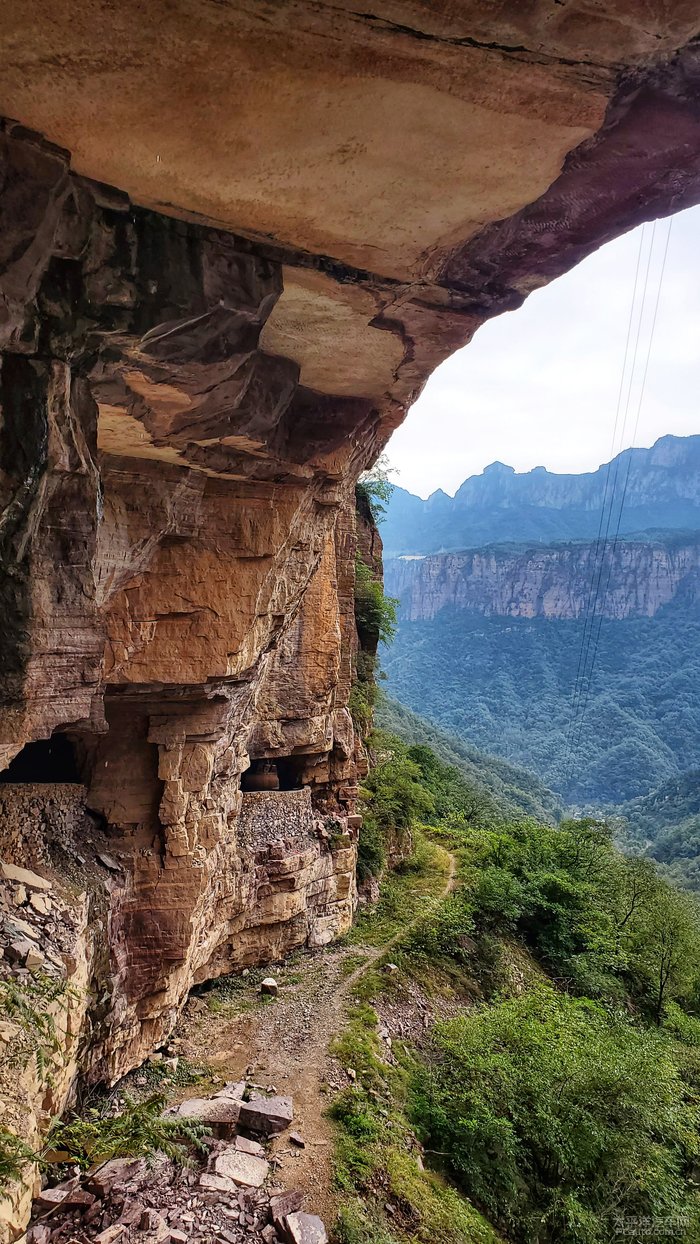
(513, 790)
(662, 491)
(506, 685)
(665, 826)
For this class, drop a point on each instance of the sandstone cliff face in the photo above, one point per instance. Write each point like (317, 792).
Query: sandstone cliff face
(275, 223)
(636, 580)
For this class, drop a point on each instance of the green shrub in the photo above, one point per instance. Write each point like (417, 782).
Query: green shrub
(139, 1130)
(373, 490)
(14, 1155)
(375, 613)
(560, 1118)
(29, 1004)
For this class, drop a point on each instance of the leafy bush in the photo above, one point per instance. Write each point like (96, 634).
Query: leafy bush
(30, 1005)
(560, 1118)
(139, 1130)
(375, 613)
(393, 799)
(603, 924)
(373, 490)
(14, 1155)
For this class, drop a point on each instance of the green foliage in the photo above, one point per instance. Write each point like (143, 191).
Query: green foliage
(505, 684)
(30, 1004)
(603, 924)
(364, 692)
(373, 490)
(357, 1224)
(14, 1155)
(561, 1119)
(138, 1131)
(394, 798)
(375, 613)
(484, 785)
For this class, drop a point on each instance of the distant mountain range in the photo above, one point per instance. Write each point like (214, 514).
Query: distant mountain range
(661, 488)
(531, 640)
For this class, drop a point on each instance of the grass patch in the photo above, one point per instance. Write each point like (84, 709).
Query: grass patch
(158, 1076)
(406, 893)
(373, 1160)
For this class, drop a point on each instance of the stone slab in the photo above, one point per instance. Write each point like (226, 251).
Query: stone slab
(305, 1229)
(266, 1116)
(245, 1169)
(23, 876)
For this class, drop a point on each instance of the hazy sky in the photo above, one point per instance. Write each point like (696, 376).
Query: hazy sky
(539, 386)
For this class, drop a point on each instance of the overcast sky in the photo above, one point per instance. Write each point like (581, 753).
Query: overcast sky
(539, 386)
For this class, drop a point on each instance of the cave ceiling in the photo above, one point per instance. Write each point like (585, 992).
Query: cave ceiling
(413, 170)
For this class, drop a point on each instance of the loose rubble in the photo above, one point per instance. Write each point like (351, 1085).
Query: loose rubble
(225, 1195)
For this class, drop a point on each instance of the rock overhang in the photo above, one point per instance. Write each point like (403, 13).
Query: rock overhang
(409, 171)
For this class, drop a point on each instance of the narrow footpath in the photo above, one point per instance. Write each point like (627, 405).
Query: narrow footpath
(285, 1045)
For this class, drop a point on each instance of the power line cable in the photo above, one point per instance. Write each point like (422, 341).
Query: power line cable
(629, 459)
(588, 618)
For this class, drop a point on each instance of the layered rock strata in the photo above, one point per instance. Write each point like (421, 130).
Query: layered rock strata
(630, 579)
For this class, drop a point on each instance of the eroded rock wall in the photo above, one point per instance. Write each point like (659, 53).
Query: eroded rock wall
(635, 580)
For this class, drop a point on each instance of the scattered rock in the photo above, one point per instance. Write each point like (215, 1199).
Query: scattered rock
(17, 951)
(116, 1171)
(19, 896)
(109, 862)
(269, 986)
(391, 967)
(23, 876)
(178, 1237)
(216, 1183)
(234, 1089)
(297, 1140)
(41, 903)
(305, 1229)
(244, 1145)
(245, 1169)
(111, 1234)
(352, 1074)
(49, 1198)
(80, 1197)
(221, 1113)
(39, 1234)
(283, 1204)
(34, 958)
(266, 1115)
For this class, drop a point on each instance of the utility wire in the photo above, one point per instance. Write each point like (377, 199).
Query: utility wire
(629, 460)
(587, 624)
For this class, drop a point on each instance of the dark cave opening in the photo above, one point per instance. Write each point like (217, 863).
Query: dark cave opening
(282, 773)
(45, 760)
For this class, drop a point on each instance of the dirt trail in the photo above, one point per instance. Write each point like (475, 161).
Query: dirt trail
(286, 1045)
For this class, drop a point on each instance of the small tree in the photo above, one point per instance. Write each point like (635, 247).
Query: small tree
(375, 488)
(375, 613)
(665, 946)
